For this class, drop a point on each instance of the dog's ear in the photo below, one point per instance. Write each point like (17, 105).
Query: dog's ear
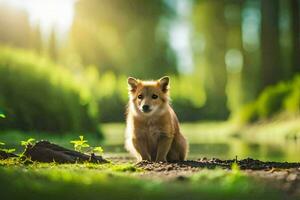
(164, 83)
(132, 84)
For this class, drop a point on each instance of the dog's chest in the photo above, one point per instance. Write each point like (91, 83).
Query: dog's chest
(152, 126)
(152, 130)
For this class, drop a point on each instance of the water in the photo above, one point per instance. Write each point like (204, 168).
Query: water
(266, 152)
(215, 144)
(206, 140)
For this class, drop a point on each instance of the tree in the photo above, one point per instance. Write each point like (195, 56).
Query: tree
(270, 49)
(295, 16)
(123, 36)
(234, 57)
(250, 77)
(36, 39)
(52, 49)
(14, 26)
(209, 21)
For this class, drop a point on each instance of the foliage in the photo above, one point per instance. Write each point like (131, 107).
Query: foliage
(5, 149)
(248, 113)
(30, 141)
(80, 144)
(271, 100)
(221, 53)
(111, 92)
(120, 40)
(282, 97)
(2, 115)
(39, 95)
(12, 138)
(292, 101)
(98, 150)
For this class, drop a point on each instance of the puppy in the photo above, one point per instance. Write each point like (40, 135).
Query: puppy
(152, 127)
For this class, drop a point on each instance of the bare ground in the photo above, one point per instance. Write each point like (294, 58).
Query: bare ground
(281, 175)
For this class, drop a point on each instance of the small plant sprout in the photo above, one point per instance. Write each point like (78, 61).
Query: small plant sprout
(235, 168)
(98, 150)
(30, 141)
(2, 114)
(6, 150)
(80, 144)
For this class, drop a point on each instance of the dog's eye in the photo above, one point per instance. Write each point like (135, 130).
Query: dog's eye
(154, 96)
(140, 96)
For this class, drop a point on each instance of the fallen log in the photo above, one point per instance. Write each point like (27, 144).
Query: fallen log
(5, 155)
(44, 151)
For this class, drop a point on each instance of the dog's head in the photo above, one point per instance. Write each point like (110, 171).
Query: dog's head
(148, 97)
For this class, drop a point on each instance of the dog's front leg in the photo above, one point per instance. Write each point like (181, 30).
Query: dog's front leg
(140, 144)
(164, 145)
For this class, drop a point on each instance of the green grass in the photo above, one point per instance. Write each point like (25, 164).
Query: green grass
(281, 98)
(126, 181)
(111, 181)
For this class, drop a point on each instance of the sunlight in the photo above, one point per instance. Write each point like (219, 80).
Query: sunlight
(48, 14)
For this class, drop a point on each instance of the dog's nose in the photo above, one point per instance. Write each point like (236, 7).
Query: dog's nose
(146, 108)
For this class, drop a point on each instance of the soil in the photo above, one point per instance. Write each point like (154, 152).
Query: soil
(244, 164)
(281, 175)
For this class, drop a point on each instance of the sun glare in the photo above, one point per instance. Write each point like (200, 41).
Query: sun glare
(49, 14)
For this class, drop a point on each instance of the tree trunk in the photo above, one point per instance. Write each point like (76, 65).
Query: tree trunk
(295, 15)
(270, 69)
(210, 21)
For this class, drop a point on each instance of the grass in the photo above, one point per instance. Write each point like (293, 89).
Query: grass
(126, 181)
(121, 181)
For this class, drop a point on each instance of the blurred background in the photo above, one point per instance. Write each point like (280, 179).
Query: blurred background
(234, 68)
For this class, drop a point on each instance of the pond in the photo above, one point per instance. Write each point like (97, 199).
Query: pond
(212, 140)
(209, 139)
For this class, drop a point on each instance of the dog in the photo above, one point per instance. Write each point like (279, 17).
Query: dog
(152, 127)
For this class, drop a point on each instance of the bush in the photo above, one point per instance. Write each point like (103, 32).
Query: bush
(37, 95)
(282, 97)
(247, 114)
(292, 102)
(271, 99)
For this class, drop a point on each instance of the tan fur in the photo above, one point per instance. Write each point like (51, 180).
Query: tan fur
(153, 136)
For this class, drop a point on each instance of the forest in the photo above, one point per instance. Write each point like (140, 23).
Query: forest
(234, 68)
